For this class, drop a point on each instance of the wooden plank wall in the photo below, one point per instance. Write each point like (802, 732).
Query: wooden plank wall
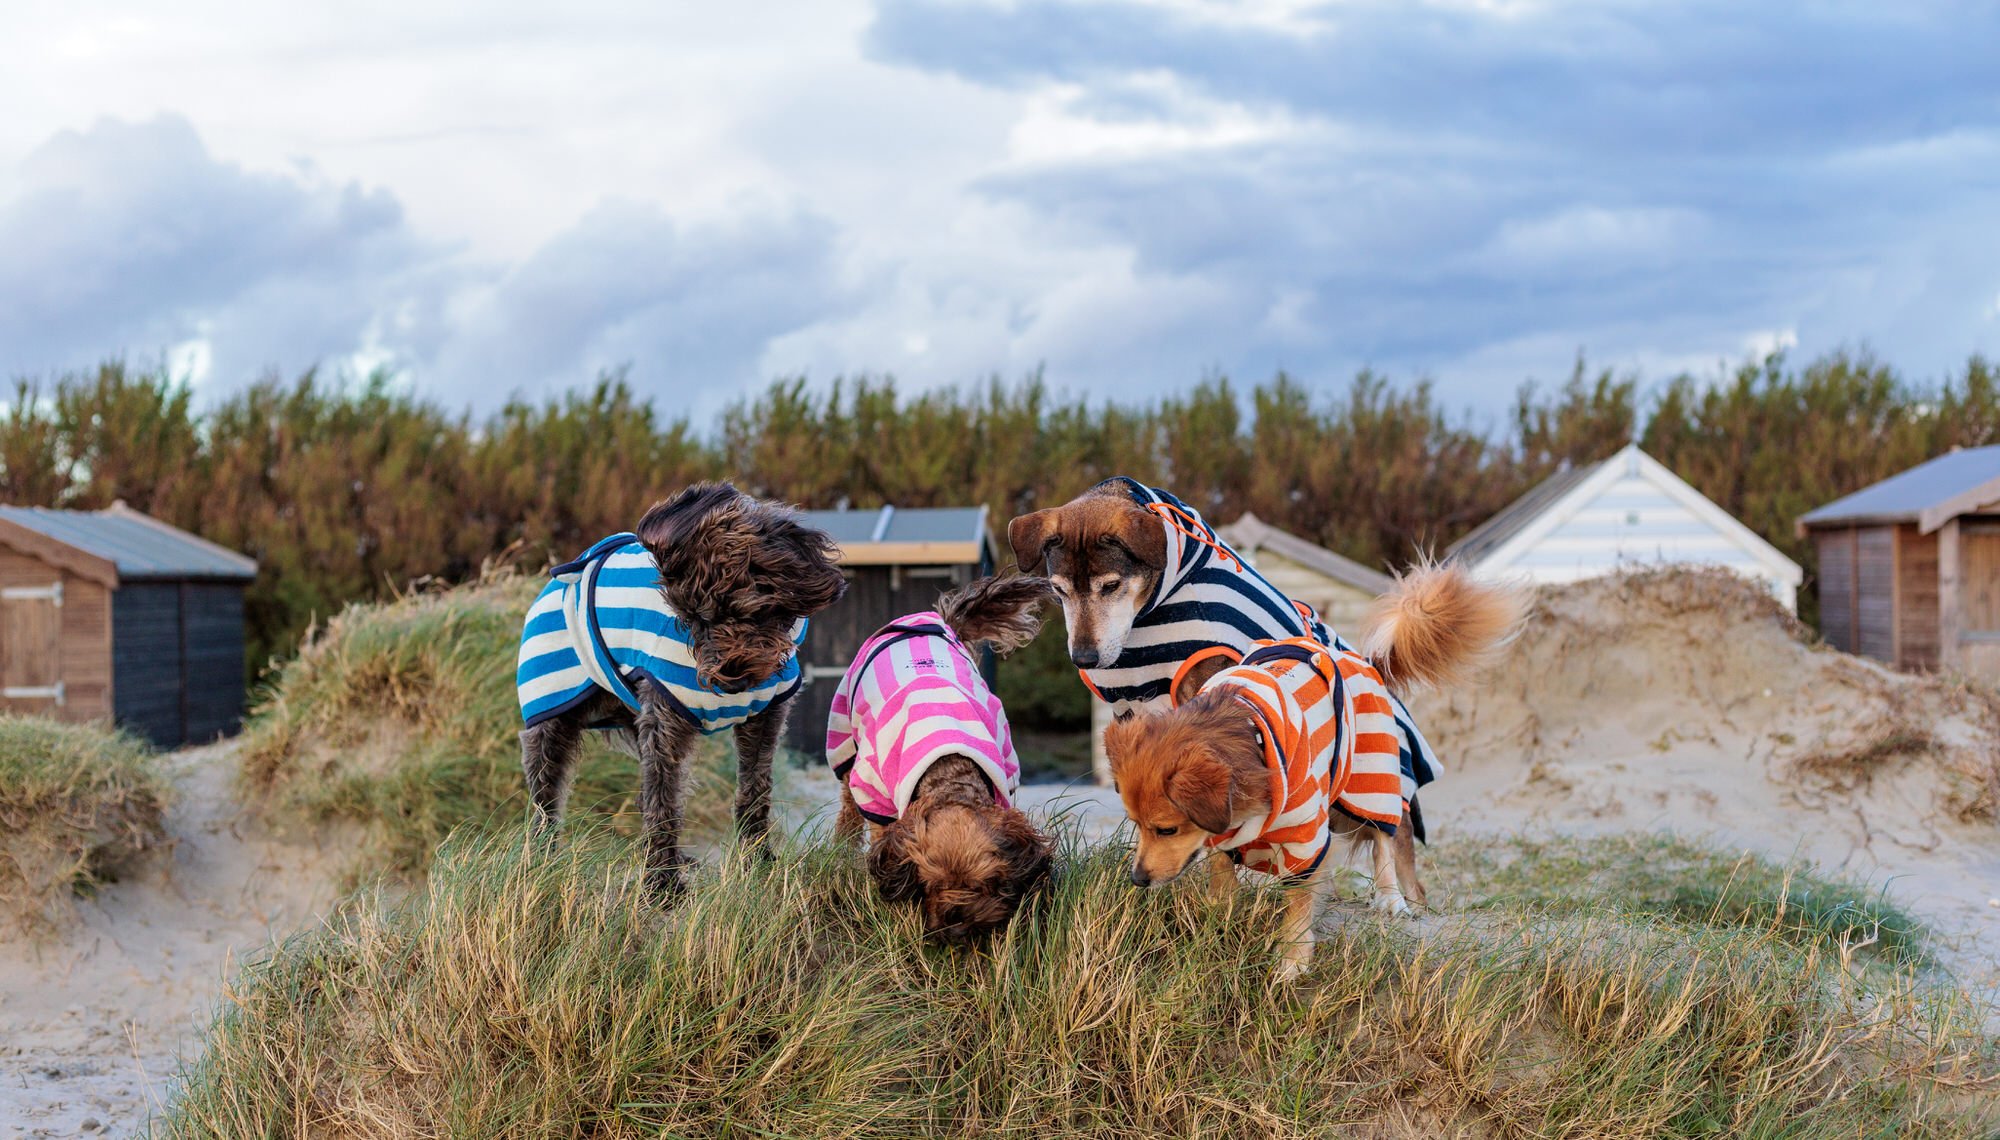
(1917, 641)
(1836, 587)
(147, 658)
(1980, 577)
(1875, 592)
(83, 639)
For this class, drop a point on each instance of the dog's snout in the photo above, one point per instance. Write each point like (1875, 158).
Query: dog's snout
(1084, 658)
(1139, 876)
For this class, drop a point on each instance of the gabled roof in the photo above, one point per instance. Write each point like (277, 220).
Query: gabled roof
(1250, 534)
(138, 545)
(1928, 494)
(918, 536)
(1515, 517)
(1529, 519)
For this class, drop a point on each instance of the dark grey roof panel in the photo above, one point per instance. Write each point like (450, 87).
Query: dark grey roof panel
(902, 524)
(141, 547)
(1488, 536)
(1902, 497)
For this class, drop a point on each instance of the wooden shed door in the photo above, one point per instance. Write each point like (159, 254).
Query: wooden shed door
(1981, 581)
(31, 648)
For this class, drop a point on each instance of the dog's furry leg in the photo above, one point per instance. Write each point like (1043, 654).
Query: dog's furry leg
(756, 747)
(1405, 846)
(1388, 895)
(1295, 935)
(665, 738)
(548, 759)
(847, 825)
(1221, 877)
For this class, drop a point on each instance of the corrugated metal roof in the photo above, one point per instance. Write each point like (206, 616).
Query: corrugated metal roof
(1905, 496)
(1515, 516)
(139, 545)
(901, 524)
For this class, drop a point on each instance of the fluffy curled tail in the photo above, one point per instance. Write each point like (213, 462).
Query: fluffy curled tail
(1004, 612)
(1437, 626)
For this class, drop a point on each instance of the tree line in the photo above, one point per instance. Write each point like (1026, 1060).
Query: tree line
(352, 491)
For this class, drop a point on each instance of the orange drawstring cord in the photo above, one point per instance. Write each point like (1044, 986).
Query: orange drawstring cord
(1193, 529)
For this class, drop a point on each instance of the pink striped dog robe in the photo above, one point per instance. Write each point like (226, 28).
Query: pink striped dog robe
(912, 696)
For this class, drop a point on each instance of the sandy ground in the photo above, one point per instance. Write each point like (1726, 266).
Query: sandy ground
(1689, 705)
(91, 1019)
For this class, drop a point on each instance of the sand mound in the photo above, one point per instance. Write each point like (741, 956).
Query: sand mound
(1690, 701)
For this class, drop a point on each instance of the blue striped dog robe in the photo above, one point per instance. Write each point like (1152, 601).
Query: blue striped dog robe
(1208, 599)
(602, 623)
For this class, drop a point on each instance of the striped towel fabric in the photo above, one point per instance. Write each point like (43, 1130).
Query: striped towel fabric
(1331, 742)
(602, 624)
(912, 696)
(1209, 598)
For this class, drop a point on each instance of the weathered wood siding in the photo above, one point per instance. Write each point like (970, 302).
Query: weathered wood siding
(43, 643)
(178, 658)
(1979, 590)
(1836, 587)
(1875, 592)
(1916, 598)
(146, 659)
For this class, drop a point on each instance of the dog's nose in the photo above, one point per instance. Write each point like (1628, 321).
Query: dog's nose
(1140, 878)
(1084, 658)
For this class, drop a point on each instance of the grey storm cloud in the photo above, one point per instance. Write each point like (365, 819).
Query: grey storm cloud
(1605, 175)
(689, 308)
(133, 235)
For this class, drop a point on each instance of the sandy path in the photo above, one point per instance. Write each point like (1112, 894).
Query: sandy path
(91, 1019)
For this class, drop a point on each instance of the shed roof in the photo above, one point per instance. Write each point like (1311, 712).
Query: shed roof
(1252, 534)
(1516, 516)
(906, 535)
(140, 546)
(1928, 494)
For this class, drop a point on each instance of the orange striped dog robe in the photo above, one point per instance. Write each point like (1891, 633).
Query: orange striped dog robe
(1330, 742)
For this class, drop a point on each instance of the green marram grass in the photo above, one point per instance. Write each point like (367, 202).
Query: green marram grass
(399, 718)
(78, 803)
(529, 992)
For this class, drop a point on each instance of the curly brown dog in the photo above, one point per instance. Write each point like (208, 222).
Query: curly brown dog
(922, 749)
(689, 625)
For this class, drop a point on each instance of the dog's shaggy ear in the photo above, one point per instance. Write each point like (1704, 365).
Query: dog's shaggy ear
(801, 563)
(1202, 787)
(1028, 535)
(684, 530)
(1028, 853)
(892, 868)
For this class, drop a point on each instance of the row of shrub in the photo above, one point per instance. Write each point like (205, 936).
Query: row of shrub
(352, 491)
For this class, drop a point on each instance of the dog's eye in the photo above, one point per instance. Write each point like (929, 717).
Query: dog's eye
(1108, 588)
(1166, 831)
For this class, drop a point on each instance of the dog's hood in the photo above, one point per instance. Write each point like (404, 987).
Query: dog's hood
(1181, 561)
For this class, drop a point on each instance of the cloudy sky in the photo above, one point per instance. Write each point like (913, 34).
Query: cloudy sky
(499, 198)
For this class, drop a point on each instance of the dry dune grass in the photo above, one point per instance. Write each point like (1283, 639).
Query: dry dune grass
(399, 718)
(545, 996)
(77, 803)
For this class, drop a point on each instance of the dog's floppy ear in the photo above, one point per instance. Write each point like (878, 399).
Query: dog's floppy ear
(1202, 787)
(1028, 534)
(801, 562)
(1028, 853)
(674, 528)
(890, 865)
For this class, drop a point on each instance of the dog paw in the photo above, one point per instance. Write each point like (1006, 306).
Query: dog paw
(1289, 970)
(1392, 903)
